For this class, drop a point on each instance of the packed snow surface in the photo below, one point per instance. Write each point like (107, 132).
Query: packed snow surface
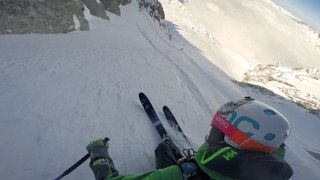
(59, 92)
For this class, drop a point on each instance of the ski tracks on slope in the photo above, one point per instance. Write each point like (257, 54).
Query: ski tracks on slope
(183, 76)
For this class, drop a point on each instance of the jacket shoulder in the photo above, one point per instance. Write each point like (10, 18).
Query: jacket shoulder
(203, 159)
(238, 164)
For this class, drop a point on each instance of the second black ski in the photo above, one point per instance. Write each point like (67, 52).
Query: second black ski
(173, 122)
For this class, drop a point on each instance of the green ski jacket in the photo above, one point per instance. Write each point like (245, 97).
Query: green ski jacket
(171, 172)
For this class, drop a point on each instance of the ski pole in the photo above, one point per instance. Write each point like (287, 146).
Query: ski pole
(77, 164)
(73, 167)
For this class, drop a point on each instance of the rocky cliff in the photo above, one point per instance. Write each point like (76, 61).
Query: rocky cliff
(62, 16)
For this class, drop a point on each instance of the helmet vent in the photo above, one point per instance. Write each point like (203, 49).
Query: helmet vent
(269, 112)
(269, 136)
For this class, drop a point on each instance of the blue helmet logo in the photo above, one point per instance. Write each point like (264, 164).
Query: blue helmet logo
(255, 124)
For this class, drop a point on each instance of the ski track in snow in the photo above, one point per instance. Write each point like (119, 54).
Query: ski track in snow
(186, 80)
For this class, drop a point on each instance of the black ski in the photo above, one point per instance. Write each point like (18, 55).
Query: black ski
(173, 122)
(160, 128)
(152, 115)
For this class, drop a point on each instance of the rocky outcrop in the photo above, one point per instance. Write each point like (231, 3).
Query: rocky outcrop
(153, 7)
(113, 6)
(25, 16)
(96, 8)
(62, 16)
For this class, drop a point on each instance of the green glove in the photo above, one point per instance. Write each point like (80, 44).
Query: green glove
(101, 163)
(98, 143)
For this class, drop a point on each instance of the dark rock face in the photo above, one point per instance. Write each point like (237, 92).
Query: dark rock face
(62, 16)
(154, 8)
(22, 16)
(96, 9)
(113, 6)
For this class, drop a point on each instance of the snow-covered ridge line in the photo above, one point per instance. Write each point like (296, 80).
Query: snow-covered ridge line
(295, 18)
(291, 82)
(284, 11)
(279, 70)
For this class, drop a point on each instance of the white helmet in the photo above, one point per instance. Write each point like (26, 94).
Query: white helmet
(252, 125)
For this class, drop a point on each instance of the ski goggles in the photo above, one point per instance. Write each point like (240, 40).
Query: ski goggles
(244, 141)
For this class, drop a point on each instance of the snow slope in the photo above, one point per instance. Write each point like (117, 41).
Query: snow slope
(59, 92)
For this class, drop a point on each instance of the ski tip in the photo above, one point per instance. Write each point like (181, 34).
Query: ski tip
(141, 94)
(143, 98)
(164, 108)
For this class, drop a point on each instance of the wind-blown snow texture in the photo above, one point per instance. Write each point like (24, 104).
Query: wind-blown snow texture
(59, 92)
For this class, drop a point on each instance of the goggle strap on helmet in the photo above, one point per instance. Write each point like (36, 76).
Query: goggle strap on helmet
(237, 136)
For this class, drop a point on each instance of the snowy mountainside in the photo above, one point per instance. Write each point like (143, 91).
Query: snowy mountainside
(60, 91)
(199, 27)
(249, 32)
